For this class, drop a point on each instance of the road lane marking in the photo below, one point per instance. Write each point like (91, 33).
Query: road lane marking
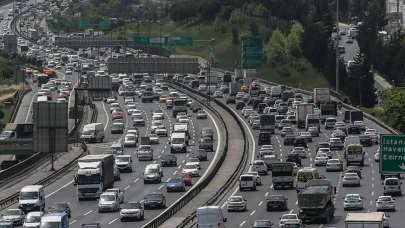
(57, 190)
(136, 180)
(260, 203)
(73, 221)
(161, 186)
(242, 223)
(107, 116)
(87, 213)
(126, 188)
(253, 212)
(175, 172)
(112, 221)
(267, 193)
(292, 210)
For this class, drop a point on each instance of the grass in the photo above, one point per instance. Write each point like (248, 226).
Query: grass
(227, 55)
(8, 91)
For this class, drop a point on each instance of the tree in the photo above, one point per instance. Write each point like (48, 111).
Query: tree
(294, 40)
(235, 35)
(276, 48)
(393, 102)
(254, 28)
(237, 17)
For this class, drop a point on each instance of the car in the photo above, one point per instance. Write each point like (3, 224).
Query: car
(374, 137)
(192, 169)
(206, 143)
(360, 124)
(117, 115)
(353, 202)
(60, 207)
(289, 140)
(195, 161)
(262, 224)
(326, 151)
(286, 131)
(257, 176)
(16, 216)
(119, 192)
(313, 131)
(365, 140)
(154, 200)
(130, 140)
(154, 138)
(306, 136)
(132, 210)
(230, 100)
(168, 160)
(236, 203)
(161, 131)
(321, 159)
(336, 144)
(334, 165)
(117, 174)
(353, 169)
(285, 218)
(300, 151)
(277, 203)
(138, 121)
(117, 127)
(124, 162)
(175, 184)
(187, 180)
(33, 219)
(351, 179)
(377, 157)
(109, 201)
(259, 166)
(385, 203)
(300, 141)
(201, 114)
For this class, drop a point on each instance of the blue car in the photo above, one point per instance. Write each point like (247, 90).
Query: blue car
(175, 185)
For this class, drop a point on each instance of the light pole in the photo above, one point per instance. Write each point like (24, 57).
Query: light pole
(337, 47)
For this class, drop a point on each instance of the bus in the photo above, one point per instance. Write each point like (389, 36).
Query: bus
(304, 175)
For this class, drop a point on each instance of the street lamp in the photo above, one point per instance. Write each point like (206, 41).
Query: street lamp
(337, 47)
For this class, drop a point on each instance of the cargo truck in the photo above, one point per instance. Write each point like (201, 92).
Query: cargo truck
(234, 89)
(328, 109)
(354, 153)
(264, 137)
(267, 123)
(282, 175)
(321, 96)
(351, 116)
(315, 201)
(95, 174)
(365, 220)
(302, 111)
(179, 105)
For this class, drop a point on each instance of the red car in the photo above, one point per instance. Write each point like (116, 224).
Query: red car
(186, 179)
(63, 95)
(117, 116)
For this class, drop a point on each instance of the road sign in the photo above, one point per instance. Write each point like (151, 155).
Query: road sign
(251, 52)
(392, 154)
(164, 41)
(179, 41)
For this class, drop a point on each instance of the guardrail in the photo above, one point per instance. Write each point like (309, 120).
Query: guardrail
(176, 206)
(20, 95)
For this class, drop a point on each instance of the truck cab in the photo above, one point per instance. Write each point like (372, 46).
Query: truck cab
(55, 220)
(32, 198)
(178, 143)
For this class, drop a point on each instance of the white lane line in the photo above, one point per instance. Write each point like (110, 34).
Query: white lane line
(136, 180)
(30, 107)
(242, 223)
(161, 186)
(57, 190)
(126, 188)
(87, 213)
(179, 166)
(233, 193)
(296, 203)
(292, 210)
(73, 221)
(267, 193)
(260, 203)
(175, 172)
(372, 193)
(253, 212)
(183, 161)
(112, 221)
(107, 116)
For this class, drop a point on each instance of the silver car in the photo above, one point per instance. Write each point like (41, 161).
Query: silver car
(16, 216)
(351, 179)
(236, 203)
(385, 203)
(109, 201)
(33, 219)
(334, 165)
(353, 201)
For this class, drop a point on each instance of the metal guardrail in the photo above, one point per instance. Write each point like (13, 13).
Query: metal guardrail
(175, 207)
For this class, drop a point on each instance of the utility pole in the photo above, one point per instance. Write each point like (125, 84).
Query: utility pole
(337, 47)
(211, 56)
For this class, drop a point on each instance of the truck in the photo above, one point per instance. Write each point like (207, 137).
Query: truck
(313, 120)
(267, 123)
(302, 111)
(365, 219)
(145, 150)
(95, 174)
(254, 89)
(264, 137)
(234, 88)
(354, 153)
(179, 105)
(328, 109)
(282, 175)
(321, 96)
(181, 128)
(351, 116)
(315, 201)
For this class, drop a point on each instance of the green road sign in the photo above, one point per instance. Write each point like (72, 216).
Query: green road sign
(84, 24)
(179, 41)
(251, 52)
(163, 41)
(141, 41)
(392, 154)
(104, 25)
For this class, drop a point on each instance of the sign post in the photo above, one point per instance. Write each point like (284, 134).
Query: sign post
(392, 154)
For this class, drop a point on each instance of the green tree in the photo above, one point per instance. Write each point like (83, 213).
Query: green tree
(276, 48)
(237, 17)
(260, 11)
(254, 28)
(393, 102)
(294, 41)
(235, 35)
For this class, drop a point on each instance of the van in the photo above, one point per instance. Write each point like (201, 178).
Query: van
(392, 186)
(153, 174)
(178, 143)
(247, 181)
(260, 167)
(55, 220)
(210, 216)
(93, 132)
(32, 198)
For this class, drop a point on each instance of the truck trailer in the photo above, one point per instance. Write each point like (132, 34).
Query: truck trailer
(302, 111)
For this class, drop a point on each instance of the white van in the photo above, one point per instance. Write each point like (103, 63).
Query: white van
(178, 142)
(260, 167)
(153, 174)
(32, 198)
(93, 132)
(55, 220)
(392, 186)
(247, 181)
(210, 216)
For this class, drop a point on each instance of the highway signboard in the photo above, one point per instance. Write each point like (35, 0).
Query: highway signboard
(164, 41)
(251, 52)
(392, 154)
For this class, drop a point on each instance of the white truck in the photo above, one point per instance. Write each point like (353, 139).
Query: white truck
(302, 111)
(365, 219)
(178, 142)
(93, 132)
(95, 174)
(282, 175)
(321, 95)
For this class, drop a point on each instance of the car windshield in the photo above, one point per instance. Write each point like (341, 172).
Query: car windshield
(130, 137)
(33, 218)
(384, 198)
(177, 140)
(262, 224)
(150, 171)
(107, 198)
(28, 195)
(12, 212)
(153, 196)
(289, 217)
(132, 206)
(122, 159)
(50, 225)
(235, 199)
(190, 166)
(352, 197)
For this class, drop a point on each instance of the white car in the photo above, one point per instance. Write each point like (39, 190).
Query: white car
(334, 165)
(257, 176)
(191, 169)
(385, 203)
(352, 202)
(300, 151)
(33, 219)
(119, 193)
(130, 140)
(374, 137)
(285, 218)
(321, 159)
(110, 100)
(259, 166)
(109, 201)
(194, 161)
(326, 151)
(132, 210)
(351, 179)
(236, 203)
(154, 138)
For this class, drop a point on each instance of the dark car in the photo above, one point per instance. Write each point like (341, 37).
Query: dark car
(207, 132)
(196, 107)
(91, 225)
(206, 143)
(365, 140)
(300, 142)
(277, 203)
(4, 224)
(240, 105)
(60, 207)
(353, 130)
(230, 100)
(262, 224)
(289, 140)
(154, 200)
(294, 157)
(175, 185)
(168, 160)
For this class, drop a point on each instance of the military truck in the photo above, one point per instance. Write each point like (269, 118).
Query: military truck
(315, 201)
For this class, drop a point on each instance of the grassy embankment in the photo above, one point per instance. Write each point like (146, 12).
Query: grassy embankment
(226, 53)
